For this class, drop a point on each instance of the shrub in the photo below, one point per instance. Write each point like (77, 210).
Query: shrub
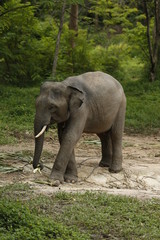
(17, 222)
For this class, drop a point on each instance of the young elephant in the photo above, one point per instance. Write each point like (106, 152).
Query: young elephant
(93, 102)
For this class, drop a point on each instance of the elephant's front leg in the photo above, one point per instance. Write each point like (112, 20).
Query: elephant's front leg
(61, 162)
(71, 174)
(65, 160)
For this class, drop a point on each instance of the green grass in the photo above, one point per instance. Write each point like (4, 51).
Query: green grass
(17, 109)
(143, 101)
(18, 222)
(76, 216)
(16, 112)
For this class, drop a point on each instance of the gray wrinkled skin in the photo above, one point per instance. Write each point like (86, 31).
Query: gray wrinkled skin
(93, 102)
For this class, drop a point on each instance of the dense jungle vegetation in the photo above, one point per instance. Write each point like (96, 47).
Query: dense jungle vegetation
(52, 40)
(117, 37)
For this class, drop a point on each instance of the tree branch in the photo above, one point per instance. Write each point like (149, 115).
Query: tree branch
(14, 9)
(58, 40)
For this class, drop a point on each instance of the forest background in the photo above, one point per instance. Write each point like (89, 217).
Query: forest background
(51, 40)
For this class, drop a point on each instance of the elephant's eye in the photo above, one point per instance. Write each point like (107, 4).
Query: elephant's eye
(52, 108)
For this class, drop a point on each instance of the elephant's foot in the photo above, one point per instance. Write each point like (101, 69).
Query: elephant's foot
(70, 178)
(104, 163)
(54, 183)
(56, 178)
(115, 168)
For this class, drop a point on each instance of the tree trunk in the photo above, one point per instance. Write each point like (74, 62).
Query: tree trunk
(96, 21)
(58, 41)
(73, 27)
(73, 23)
(155, 45)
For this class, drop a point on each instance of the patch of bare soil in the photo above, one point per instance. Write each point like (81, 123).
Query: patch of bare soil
(140, 176)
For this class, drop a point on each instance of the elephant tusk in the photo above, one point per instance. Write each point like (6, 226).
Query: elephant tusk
(37, 170)
(41, 132)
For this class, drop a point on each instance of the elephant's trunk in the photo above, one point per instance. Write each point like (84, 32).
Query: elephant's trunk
(38, 145)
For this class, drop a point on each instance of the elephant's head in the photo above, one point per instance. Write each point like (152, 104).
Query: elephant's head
(55, 104)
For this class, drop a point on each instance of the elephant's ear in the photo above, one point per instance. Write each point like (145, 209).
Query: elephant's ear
(76, 98)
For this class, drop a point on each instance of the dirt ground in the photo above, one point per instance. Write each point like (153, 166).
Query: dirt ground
(140, 176)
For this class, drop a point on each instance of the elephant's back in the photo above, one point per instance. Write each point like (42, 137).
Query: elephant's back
(92, 82)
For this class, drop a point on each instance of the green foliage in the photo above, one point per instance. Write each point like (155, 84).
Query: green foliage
(25, 53)
(112, 216)
(110, 34)
(137, 39)
(76, 216)
(77, 60)
(75, 2)
(18, 222)
(143, 102)
(90, 56)
(114, 14)
(16, 111)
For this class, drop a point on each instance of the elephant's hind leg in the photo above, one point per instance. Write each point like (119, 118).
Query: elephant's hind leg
(116, 137)
(71, 175)
(106, 146)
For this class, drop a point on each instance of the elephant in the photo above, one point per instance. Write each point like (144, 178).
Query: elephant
(93, 102)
